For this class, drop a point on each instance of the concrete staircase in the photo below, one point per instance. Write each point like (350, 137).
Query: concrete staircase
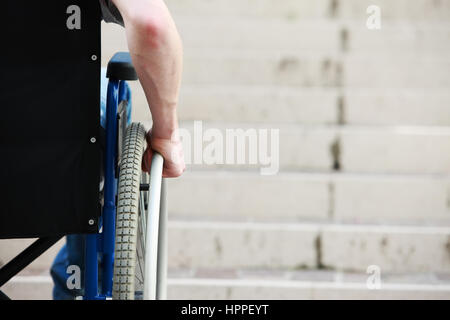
(364, 150)
(364, 125)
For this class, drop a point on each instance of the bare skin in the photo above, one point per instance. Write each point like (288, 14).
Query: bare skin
(157, 54)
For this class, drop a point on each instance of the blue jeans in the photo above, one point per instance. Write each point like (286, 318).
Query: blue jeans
(72, 253)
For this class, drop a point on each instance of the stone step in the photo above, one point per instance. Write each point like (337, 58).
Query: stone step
(232, 67)
(219, 289)
(215, 66)
(396, 38)
(294, 246)
(251, 34)
(273, 147)
(290, 10)
(359, 106)
(309, 106)
(312, 69)
(395, 150)
(391, 248)
(242, 245)
(262, 284)
(307, 35)
(415, 10)
(245, 65)
(269, 284)
(396, 107)
(254, 104)
(301, 196)
(30, 287)
(302, 9)
(388, 71)
(278, 104)
(10, 248)
(330, 36)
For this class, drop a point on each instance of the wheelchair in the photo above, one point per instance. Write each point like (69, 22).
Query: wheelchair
(62, 172)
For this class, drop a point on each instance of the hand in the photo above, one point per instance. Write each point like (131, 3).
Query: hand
(172, 152)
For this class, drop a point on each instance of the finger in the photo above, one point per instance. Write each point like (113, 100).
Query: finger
(172, 170)
(144, 162)
(147, 160)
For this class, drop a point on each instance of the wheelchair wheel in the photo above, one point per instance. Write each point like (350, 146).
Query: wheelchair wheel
(136, 247)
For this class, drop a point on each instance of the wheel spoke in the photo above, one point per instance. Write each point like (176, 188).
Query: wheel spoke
(141, 280)
(140, 240)
(143, 223)
(141, 232)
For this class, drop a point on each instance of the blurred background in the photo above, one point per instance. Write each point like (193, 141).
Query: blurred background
(360, 207)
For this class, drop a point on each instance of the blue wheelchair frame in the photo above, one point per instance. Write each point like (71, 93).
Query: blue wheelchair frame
(104, 241)
(120, 69)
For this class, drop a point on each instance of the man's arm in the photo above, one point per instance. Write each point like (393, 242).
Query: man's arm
(156, 51)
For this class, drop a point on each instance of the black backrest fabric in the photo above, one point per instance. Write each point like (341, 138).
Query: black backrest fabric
(49, 103)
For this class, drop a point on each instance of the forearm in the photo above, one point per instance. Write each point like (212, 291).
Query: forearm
(156, 50)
